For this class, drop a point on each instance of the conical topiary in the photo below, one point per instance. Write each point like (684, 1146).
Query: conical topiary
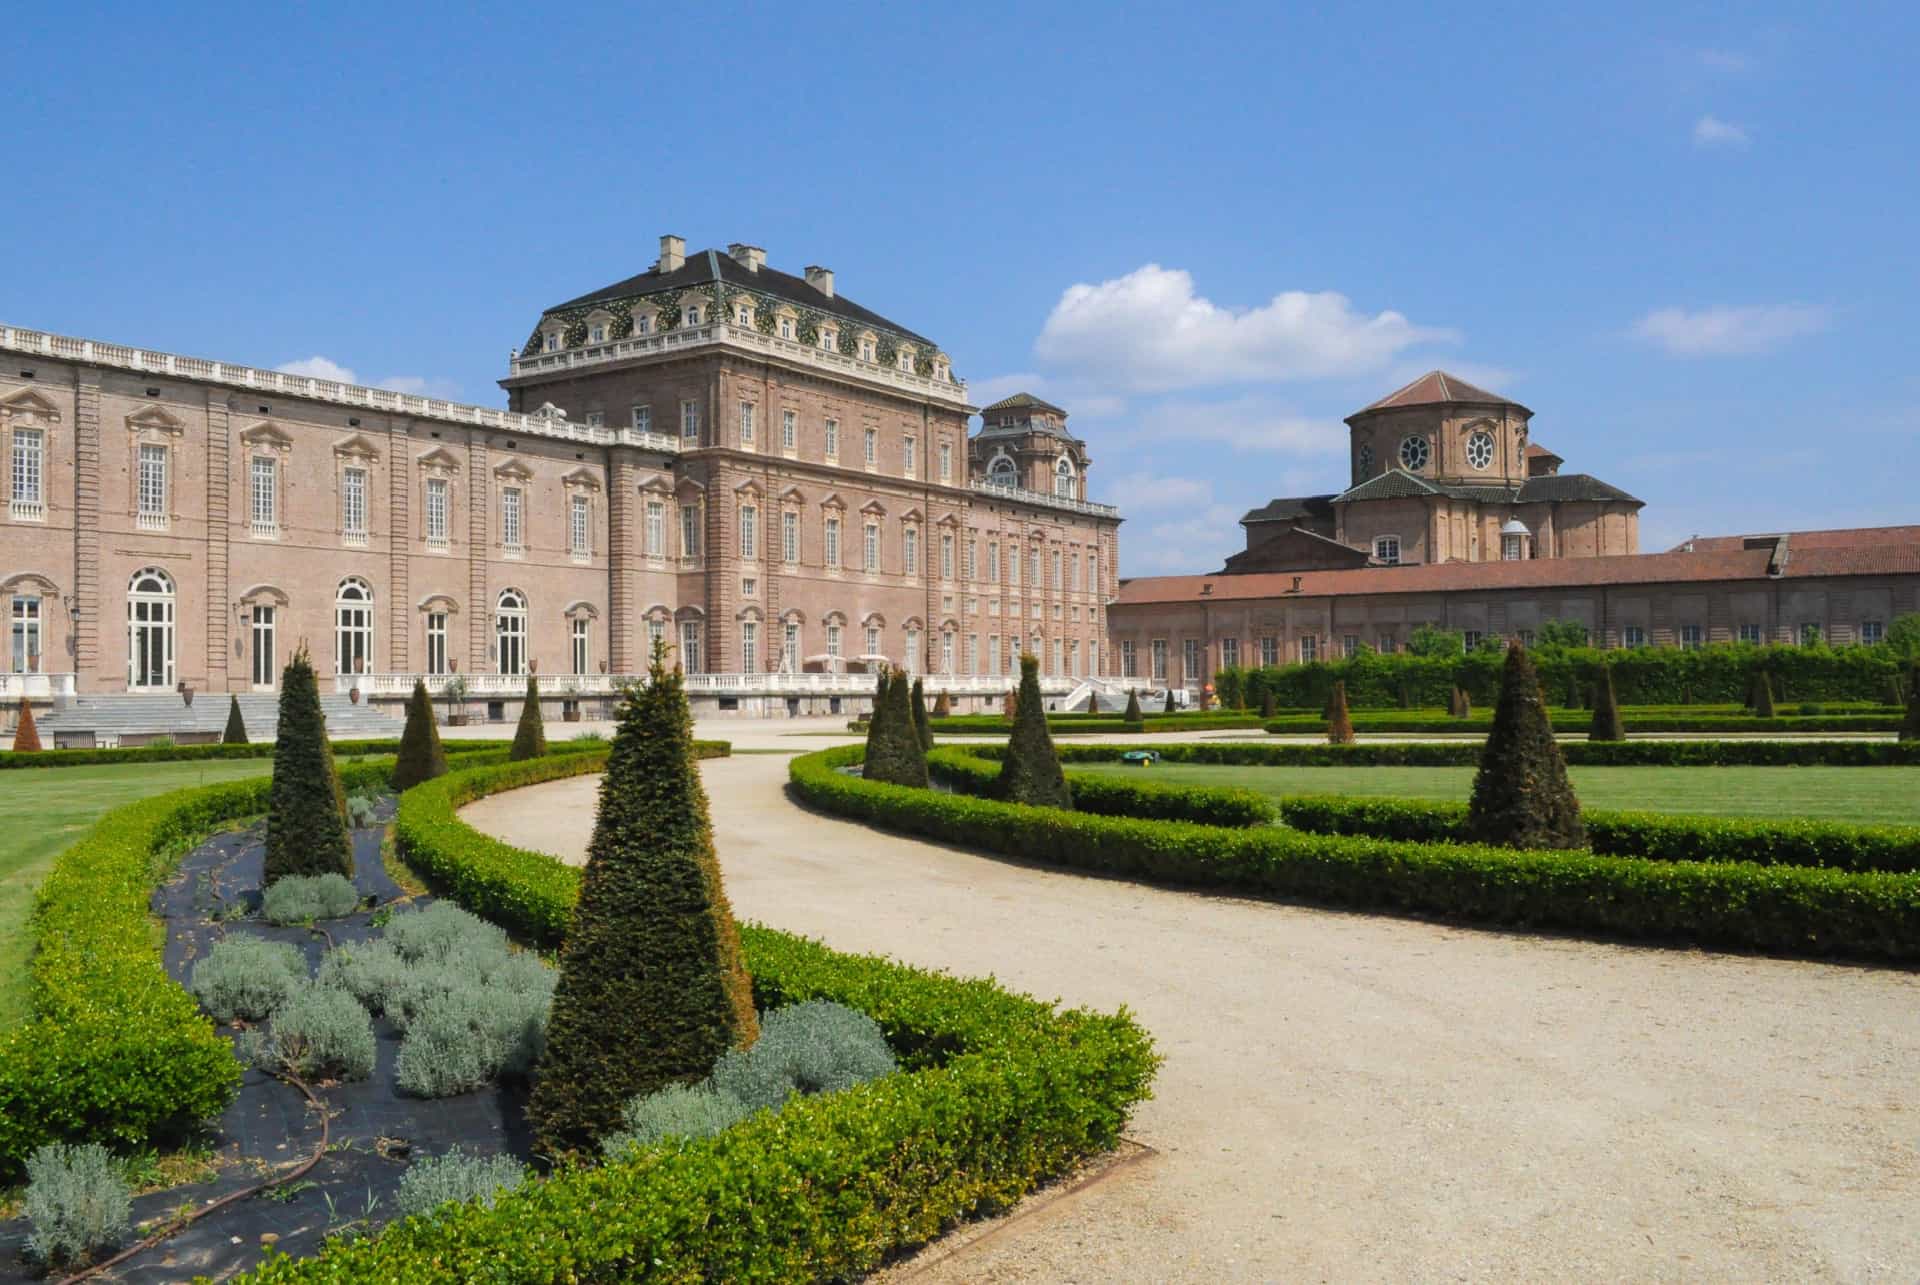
(653, 987)
(421, 756)
(1133, 718)
(26, 734)
(1910, 726)
(921, 728)
(942, 706)
(1453, 702)
(1267, 703)
(530, 736)
(1030, 772)
(894, 753)
(306, 809)
(1339, 721)
(1606, 710)
(876, 720)
(1521, 796)
(1762, 694)
(236, 733)
(1169, 705)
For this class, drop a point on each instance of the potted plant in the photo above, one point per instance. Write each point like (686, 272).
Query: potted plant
(455, 690)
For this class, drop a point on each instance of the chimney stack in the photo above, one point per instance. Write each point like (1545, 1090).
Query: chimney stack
(750, 257)
(673, 253)
(820, 279)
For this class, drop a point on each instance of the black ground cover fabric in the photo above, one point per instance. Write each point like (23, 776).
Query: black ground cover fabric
(269, 1126)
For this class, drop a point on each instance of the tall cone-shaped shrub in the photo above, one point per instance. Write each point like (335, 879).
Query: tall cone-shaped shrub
(1134, 718)
(1339, 721)
(1521, 797)
(1910, 727)
(1169, 705)
(1762, 694)
(653, 987)
(236, 733)
(530, 736)
(876, 721)
(306, 809)
(1030, 772)
(943, 706)
(1268, 706)
(421, 756)
(894, 755)
(1606, 710)
(921, 728)
(26, 734)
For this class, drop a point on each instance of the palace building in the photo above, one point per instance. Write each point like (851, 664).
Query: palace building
(775, 481)
(1454, 517)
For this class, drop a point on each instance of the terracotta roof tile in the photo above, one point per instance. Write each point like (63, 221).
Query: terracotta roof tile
(1845, 537)
(1023, 401)
(1437, 387)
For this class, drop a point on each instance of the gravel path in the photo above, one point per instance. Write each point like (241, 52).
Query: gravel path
(1350, 1097)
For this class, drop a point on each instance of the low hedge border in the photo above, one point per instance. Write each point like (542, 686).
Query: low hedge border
(970, 773)
(1574, 721)
(252, 750)
(1467, 754)
(1099, 725)
(115, 1051)
(1773, 908)
(998, 1093)
(1658, 836)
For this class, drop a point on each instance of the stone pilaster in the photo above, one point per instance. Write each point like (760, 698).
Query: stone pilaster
(479, 609)
(86, 527)
(399, 545)
(220, 618)
(622, 629)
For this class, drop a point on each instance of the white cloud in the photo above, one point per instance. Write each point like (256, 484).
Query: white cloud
(1711, 131)
(1727, 331)
(422, 386)
(1146, 492)
(1250, 423)
(319, 367)
(1191, 545)
(1148, 330)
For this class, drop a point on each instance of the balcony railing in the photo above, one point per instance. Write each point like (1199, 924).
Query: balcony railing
(27, 510)
(1046, 499)
(568, 686)
(36, 686)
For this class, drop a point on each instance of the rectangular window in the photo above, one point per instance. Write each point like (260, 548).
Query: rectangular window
(913, 656)
(436, 642)
(596, 418)
(1053, 566)
(353, 502)
(656, 528)
(833, 439)
(749, 531)
(1386, 549)
(1057, 667)
(1269, 651)
(1873, 631)
(1750, 634)
(26, 634)
(873, 447)
(749, 647)
(510, 519)
(1690, 636)
(1470, 639)
(263, 658)
(1386, 645)
(1093, 571)
(873, 640)
(579, 527)
(1229, 652)
(746, 423)
(748, 587)
(643, 419)
(993, 654)
(1129, 659)
(993, 562)
(946, 651)
(153, 486)
(1073, 657)
(1190, 659)
(833, 638)
(967, 562)
(1309, 649)
(909, 457)
(581, 658)
(946, 462)
(1634, 636)
(1526, 637)
(910, 547)
(29, 457)
(689, 530)
(1809, 633)
(265, 473)
(789, 429)
(790, 538)
(833, 542)
(656, 634)
(1350, 645)
(690, 655)
(946, 556)
(690, 424)
(871, 561)
(1033, 567)
(1073, 573)
(437, 512)
(790, 648)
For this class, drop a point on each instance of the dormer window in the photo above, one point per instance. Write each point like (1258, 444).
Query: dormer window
(1386, 549)
(786, 327)
(1063, 479)
(743, 315)
(830, 339)
(1001, 472)
(693, 314)
(906, 360)
(642, 323)
(868, 350)
(553, 341)
(598, 334)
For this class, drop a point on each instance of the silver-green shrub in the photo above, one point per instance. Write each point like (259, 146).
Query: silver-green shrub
(443, 930)
(247, 977)
(677, 1111)
(367, 970)
(469, 1034)
(301, 899)
(434, 1181)
(319, 1033)
(77, 1202)
(360, 809)
(815, 1047)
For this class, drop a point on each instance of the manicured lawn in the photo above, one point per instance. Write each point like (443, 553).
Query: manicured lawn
(42, 810)
(1877, 795)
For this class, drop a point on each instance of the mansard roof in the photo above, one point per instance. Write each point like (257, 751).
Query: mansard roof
(1395, 484)
(704, 267)
(1847, 538)
(1291, 509)
(1438, 388)
(1021, 401)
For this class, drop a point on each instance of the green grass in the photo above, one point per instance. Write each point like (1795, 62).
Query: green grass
(1869, 795)
(43, 810)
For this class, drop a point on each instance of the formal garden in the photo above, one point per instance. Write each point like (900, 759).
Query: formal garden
(369, 1043)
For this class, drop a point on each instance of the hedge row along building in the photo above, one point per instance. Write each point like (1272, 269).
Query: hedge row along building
(776, 480)
(1455, 517)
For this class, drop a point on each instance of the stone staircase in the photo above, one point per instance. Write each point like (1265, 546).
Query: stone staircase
(134, 718)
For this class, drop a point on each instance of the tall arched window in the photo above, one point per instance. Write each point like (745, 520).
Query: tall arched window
(510, 632)
(1063, 480)
(1001, 472)
(150, 630)
(353, 627)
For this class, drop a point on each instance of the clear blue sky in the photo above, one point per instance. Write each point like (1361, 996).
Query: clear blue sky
(1684, 236)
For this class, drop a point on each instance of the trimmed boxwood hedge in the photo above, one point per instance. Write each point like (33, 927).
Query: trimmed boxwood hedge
(1101, 724)
(998, 1092)
(1775, 908)
(1659, 836)
(252, 750)
(115, 1051)
(1575, 721)
(1467, 754)
(970, 773)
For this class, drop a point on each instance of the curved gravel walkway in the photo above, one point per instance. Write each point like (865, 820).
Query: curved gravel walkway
(1350, 1097)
